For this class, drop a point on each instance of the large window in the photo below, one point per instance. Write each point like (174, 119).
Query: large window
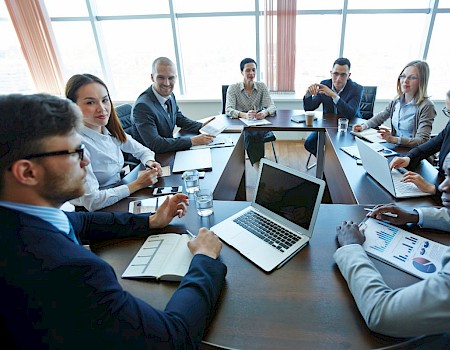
(117, 40)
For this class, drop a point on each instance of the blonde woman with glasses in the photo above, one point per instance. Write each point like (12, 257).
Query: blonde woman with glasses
(439, 143)
(412, 113)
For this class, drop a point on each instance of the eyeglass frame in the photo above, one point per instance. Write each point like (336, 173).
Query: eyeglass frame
(337, 74)
(446, 112)
(409, 77)
(80, 150)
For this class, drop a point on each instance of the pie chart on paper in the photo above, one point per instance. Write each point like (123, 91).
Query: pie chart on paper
(424, 265)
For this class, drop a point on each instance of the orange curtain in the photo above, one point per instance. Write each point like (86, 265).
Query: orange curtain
(280, 21)
(33, 29)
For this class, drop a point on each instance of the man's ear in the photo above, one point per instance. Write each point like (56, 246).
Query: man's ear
(153, 78)
(26, 172)
(348, 76)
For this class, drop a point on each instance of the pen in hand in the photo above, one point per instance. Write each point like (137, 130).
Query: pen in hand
(190, 233)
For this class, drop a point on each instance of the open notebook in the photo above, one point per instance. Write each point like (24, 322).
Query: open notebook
(280, 220)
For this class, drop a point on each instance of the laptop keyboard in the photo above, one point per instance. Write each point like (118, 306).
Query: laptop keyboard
(403, 187)
(267, 230)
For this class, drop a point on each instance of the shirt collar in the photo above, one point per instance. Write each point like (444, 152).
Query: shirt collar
(338, 92)
(161, 99)
(92, 134)
(53, 216)
(241, 86)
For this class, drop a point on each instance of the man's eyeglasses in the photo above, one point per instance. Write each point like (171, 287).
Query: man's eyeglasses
(409, 77)
(446, 112)
(342, 75)
(79, 151)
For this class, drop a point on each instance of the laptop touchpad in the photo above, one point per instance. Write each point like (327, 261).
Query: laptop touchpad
(246, 242)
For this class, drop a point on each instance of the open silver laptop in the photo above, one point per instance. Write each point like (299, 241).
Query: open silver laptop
(377, 166)
(280, 220)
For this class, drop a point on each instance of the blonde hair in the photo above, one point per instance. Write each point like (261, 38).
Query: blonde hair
(423, 75)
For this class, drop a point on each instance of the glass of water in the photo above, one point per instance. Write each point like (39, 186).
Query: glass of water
(204, 202)
(191, 181)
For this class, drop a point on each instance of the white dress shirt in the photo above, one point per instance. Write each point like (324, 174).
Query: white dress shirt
(103, 172)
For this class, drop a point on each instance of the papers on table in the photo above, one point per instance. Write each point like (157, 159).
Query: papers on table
(353, 151)
(218, 141)
(370, 135)
(214, 127)
(255, 122)
(411, 253)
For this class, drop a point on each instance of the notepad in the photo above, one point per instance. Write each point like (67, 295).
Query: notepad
(406, 251)
(198, 159)
(164, 257)
(370, 135)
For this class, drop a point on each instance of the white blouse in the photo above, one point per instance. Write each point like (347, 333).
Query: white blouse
(106, 162)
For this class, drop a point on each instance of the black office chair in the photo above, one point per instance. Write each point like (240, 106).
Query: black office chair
(268, 137)
(366, 108)
(368, 101)
(124, 114)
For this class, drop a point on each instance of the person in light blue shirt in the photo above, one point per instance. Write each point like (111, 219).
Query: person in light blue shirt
(105, 140)
(412, 113)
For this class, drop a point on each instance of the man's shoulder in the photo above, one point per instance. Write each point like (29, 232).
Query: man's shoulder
(354, 85)
(145, 95)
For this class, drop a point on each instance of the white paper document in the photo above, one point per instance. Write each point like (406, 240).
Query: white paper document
(255, 122)
(214, 127)
(370, 135)
(411, 253)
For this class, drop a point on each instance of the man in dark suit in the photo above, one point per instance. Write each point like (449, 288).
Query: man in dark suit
(55, 293)
(338, 95)
(155, 114)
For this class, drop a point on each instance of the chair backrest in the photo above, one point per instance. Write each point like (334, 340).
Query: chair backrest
(124, 114)
(368, 101)
(224, 97)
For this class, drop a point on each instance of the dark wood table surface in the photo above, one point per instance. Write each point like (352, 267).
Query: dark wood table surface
(226, 179)
(304, 305)
(348, 182)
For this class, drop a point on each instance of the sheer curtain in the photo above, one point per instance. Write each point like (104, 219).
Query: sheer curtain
(280, 22)
(33, 29)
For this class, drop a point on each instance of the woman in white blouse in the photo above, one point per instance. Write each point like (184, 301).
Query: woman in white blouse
(105, 140)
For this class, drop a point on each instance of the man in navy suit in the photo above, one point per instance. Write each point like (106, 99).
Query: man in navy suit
(56, 294)
(155, 114)
(338, 95)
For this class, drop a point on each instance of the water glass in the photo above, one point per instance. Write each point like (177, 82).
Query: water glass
(204, 202)
(191, 181)
(342, 124)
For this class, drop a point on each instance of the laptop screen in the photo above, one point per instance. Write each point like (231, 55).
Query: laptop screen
(288, 195)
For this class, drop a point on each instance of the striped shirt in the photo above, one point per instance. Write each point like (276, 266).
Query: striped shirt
(239, 101)
(53, 216)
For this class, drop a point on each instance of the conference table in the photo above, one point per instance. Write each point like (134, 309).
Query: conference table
(281, 121)
(303, 305)
(348, 183)
(226, 179)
